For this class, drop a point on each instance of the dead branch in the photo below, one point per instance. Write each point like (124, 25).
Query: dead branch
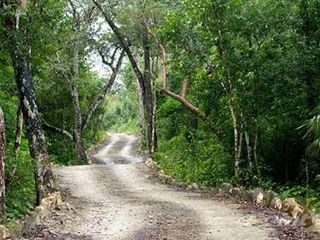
(180, 98)
(59, 130)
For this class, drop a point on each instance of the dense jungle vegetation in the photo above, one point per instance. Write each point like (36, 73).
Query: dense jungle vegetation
(220, 90)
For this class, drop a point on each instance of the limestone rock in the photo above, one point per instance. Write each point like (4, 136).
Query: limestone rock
(305, 220)
(236, 192)
(276, 203)
(4, 233)
(31, 221)
(204, 187)
(249, 195)
(269, 196)
(288, 205)
(297, 213)
(152, 164)
(258, 192)
(226, 187)
(165, 179)
(260, 199)
(59, 202)
(315, 228)
(41, 211)
(195, 186)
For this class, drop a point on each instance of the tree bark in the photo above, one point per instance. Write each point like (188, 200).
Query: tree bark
(154, 140)
(19, 47)
(2, 154)
(149, 108)
(19, 128)
(38, 150)
(141, 110)
(78, 130)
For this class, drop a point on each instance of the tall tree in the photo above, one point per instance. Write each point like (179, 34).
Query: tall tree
(20, 50)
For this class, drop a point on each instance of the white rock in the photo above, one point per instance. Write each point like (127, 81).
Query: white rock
(260, 198)
(4, 233)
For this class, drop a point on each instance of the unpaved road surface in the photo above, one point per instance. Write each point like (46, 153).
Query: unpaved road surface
(116, 199)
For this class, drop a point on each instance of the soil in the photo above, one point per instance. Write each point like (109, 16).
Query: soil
(117, 198)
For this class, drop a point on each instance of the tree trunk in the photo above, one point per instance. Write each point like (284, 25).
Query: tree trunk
(79, 146)
(78, 124)
(141, 110)
(38, 150)
(249, 158)
(2, 153)
(237, 140)
(154, 140)
(19, 128)
(255, 153)
(149, 109)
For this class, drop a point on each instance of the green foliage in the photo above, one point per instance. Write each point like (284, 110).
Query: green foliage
(122, 114)
(20, 196)
(201, 161)
(311, 128)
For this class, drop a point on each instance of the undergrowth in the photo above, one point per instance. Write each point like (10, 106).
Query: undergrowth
(199, 161)
(20, 186)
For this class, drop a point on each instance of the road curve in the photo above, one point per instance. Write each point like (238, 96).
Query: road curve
(116, 199)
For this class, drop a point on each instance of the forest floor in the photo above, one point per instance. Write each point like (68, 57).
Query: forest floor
(117, 198)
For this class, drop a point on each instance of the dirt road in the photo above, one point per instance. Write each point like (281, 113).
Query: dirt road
(116, 199)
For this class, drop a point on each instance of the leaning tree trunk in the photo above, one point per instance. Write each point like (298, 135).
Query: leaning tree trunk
(2, 149)
(19, 128)
(38, 150)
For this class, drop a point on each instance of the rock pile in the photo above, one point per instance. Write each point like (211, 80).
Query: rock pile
(301, 216)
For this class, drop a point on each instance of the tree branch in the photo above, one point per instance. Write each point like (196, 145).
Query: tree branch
(103, 93)
(123, 43)
(182, 99)
(59, 130)
(164, 57)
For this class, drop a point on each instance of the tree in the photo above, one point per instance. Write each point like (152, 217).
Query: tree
(2, 153)
(72, 55)
(144, 77)
(19, 50)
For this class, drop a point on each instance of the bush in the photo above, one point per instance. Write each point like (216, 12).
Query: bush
(20, 186)
(201, 160)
